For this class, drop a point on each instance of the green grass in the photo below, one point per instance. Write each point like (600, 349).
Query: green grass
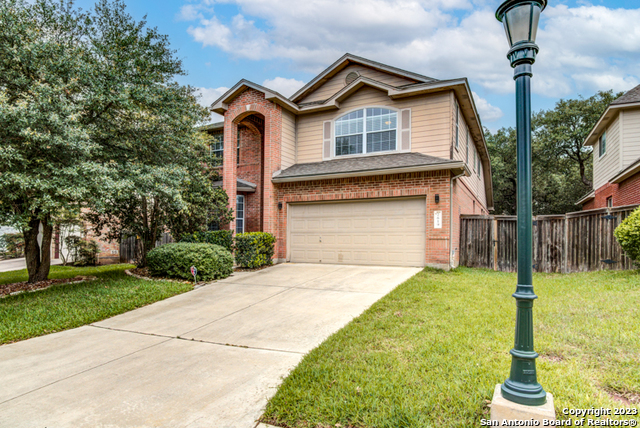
(65, 306)
(430, 353)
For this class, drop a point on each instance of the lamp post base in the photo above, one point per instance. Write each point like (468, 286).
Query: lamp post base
(502, 409)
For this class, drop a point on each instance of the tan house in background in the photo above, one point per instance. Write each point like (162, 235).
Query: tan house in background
(616, 155)
(366, 164)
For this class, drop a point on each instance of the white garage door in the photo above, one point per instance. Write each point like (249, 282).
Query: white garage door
(381, 232)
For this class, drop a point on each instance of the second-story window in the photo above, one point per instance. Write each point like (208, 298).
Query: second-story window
(216, 149)
(238, 145)
(602, 144)
(457, 113)
(368, 130)
(468, 138)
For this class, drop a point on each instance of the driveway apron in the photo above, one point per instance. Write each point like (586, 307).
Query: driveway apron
(211, 357)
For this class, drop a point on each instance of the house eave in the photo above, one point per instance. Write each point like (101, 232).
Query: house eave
(456, 167)
(607, 117)
(587, 197)
(628, 172)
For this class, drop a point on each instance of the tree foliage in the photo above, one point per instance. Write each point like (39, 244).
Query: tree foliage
(89, 112)
(628, 235)
(562, 166)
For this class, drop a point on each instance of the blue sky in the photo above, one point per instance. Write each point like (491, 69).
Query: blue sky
(585, 46)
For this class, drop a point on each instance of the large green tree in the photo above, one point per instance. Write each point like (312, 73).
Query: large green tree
(89, 111)
(179, 198)
(562, 166)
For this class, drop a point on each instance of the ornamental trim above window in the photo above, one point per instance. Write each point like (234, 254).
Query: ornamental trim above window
(367, 130)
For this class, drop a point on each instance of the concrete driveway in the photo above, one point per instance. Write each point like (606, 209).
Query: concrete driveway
(21, 263)
(209, 358)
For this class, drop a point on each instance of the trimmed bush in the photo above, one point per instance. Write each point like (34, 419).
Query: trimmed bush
(224, 238)
(628, 235)
(254, 249)
(175, 261)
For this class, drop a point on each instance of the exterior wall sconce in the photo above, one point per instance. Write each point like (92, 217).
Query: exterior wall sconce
(437, 199)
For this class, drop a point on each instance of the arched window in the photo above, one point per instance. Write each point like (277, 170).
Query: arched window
(368, 130)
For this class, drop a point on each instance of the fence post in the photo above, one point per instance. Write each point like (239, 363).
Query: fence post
(494, 224)
(565, 245)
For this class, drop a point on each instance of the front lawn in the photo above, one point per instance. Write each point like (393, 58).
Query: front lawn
(430, 353)
(65, 306)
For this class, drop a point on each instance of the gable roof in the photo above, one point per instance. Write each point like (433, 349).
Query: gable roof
(221, 104)
(627, 100)
(346, 60)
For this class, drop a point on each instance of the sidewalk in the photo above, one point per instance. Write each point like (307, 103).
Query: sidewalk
(17, 264)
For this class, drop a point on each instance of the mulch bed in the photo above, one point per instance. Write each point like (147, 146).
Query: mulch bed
(19, 287)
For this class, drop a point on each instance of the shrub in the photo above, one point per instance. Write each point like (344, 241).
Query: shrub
(254, 249)
(628, 235)
(175, 261)
(13, 244)
(84, 253)
(224, 238)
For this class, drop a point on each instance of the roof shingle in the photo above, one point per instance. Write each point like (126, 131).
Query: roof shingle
(633, 96)
(362, 164)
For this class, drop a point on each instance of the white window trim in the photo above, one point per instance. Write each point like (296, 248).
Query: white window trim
(238, 198)
(364, 133)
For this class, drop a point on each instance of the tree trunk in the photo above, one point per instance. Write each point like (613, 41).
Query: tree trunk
(38, 257)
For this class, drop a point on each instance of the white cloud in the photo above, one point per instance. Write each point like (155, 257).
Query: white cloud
(583, 49)
(487, 112)
(208, 96)
(284, 86)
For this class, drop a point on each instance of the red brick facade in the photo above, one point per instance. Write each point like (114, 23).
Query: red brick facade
(250, 169)
(624, 193)
(252, 102)
(382, 186)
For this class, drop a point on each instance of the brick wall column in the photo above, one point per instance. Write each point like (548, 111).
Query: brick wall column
(229, 172)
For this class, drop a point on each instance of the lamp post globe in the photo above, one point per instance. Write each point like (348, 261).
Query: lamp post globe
(520, 19)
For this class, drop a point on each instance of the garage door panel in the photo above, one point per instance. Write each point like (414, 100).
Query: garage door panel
(382, 232)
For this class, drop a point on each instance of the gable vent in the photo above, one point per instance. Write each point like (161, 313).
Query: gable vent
(351, 77)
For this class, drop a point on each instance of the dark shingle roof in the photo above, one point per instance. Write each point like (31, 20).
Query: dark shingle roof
(362, 164)
(633, 96)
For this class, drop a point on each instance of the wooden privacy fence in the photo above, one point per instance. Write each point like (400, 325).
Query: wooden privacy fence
(574, 242)
(131, 247)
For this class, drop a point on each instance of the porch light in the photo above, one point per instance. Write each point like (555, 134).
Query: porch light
(520, 19)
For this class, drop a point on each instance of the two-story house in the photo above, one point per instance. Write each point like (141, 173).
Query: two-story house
(616, 154)
(366, 164)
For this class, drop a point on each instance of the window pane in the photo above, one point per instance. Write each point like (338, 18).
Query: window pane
(349, 145)
(381, 141)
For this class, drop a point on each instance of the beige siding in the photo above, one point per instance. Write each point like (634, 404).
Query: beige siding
(631, 135)
(337, 82)
(607, 166)
(288, 147)
(475, 182)
(430, 123)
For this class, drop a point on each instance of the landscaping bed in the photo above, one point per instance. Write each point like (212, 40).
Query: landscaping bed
(430, 353)
(19, 287)
(68, 305)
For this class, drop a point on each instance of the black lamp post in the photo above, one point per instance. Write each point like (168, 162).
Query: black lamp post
(520, 19)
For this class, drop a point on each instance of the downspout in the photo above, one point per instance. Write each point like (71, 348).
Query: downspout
(451, 249)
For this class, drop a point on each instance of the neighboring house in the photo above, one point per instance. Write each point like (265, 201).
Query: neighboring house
(366, 164)
(616, 155)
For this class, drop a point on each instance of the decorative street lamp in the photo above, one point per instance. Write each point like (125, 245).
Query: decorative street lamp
(520, 19)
